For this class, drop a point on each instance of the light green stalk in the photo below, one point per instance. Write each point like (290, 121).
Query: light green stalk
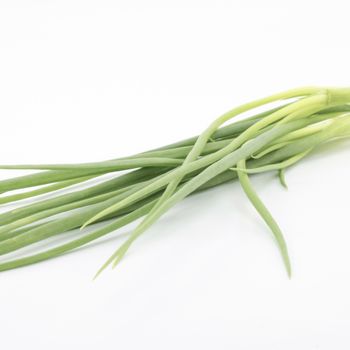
(264, 212)
(278, 166)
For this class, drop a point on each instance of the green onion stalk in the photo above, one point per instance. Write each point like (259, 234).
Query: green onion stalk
(153, 182)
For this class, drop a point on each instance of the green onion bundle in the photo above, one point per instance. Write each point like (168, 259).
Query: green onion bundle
(158, 179)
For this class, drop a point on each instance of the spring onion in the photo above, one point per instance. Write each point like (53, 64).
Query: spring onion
(156, 180)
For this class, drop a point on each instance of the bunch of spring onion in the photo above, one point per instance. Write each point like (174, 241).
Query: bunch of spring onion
(158, 179)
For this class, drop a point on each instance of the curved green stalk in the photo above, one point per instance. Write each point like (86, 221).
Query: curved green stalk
(298, 134)
(282, 177)
(265, 214)
(278, 166)
(309, 129)
(270, 149)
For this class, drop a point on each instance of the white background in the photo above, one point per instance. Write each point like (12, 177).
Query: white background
(93, 80)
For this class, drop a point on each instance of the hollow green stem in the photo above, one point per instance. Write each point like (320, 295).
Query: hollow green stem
(265, 214)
